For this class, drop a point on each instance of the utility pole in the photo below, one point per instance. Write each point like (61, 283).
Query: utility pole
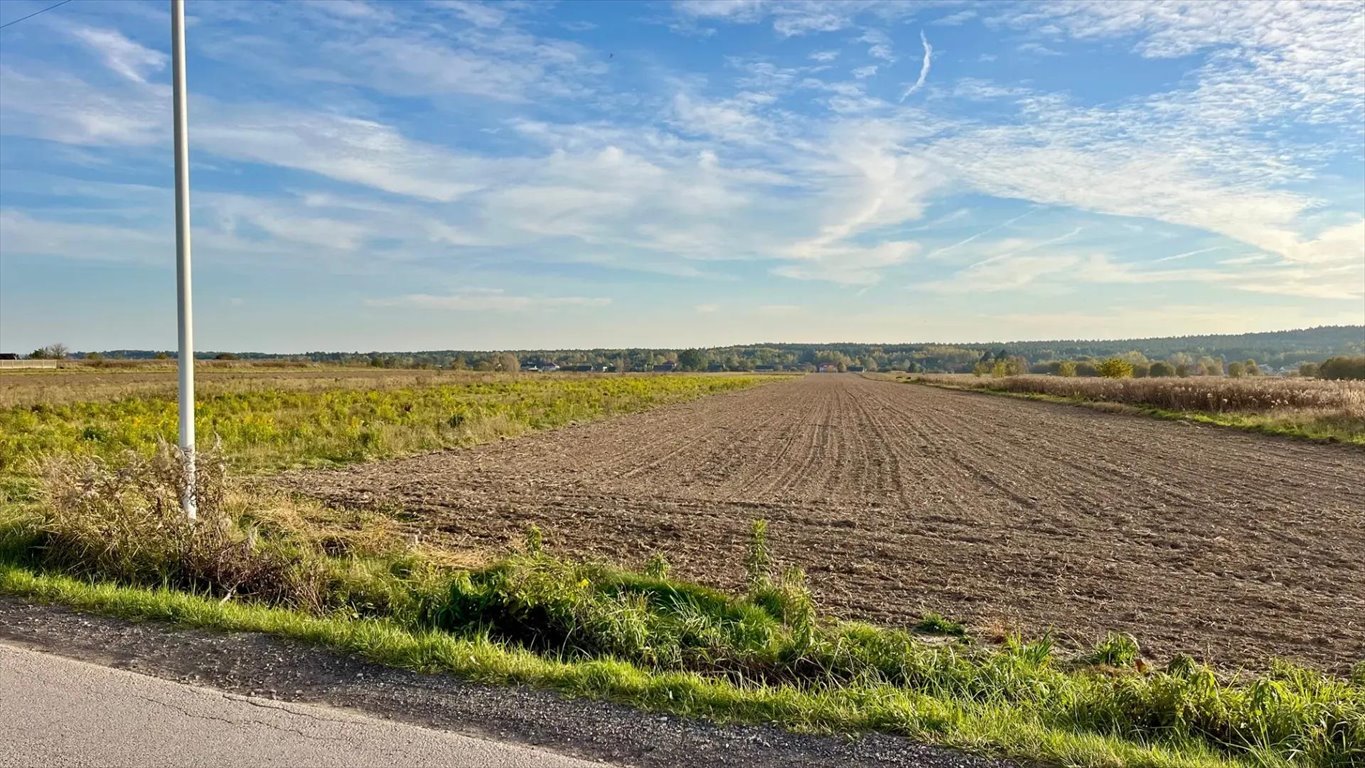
(184, 300)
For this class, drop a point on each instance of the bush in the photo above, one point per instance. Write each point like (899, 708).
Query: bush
(1161, 370)
(1115, 368)
(1066, 368)
(125, 523)
(1236, 370)
(1342, 368)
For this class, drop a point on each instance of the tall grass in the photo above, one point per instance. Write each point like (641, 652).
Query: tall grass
(1311, 407)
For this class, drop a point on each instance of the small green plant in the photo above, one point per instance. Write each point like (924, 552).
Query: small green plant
(535, 540)
(1116, 650)
(657, 566)
(933, 623)
(758, 559)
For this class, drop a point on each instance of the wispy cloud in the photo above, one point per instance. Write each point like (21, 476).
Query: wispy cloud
(923, 68)
(485, 300)
(1187, 254)
(129, 59)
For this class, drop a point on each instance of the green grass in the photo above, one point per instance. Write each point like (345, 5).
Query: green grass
(1014, 702)
(1326, 428)
(272, 428)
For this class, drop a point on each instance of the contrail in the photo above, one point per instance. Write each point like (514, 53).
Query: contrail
(923, 68)
(983, 232)
(1187, 254)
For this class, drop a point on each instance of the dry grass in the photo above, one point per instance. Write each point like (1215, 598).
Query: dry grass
(1199, 393)
(123, 521)
(1310, 407)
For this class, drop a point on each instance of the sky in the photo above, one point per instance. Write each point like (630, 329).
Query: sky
(436, 175)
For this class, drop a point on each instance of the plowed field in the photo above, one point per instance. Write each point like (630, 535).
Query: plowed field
(899, 499)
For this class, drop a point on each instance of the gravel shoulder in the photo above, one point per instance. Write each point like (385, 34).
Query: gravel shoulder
(901, 499)
(280, 671)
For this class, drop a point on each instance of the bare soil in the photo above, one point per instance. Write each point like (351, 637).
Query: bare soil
(900, 499)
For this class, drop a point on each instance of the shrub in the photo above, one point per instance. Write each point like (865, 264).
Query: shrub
(1308, 370)
(1115, 368)
(1236, 370)
(1342, 368)
(1066, 368)
(1161, 370)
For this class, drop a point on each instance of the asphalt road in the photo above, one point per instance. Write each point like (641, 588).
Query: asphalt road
(58, 712)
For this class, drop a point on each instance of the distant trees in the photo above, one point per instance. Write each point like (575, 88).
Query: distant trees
(1161, 370)
(50, 352)
(1066, 368)
(1236, 370)
(1209, 366)
(1342, 368)
(691, 360)
(1308, 369)
(1115, 368)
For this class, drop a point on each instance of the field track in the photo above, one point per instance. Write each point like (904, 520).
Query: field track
(899, 499)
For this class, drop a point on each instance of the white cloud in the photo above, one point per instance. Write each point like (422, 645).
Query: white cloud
(122, 55)
(864, 72)
(707, 309)
(1037, 49)
(343, 148)
(23, 234)
(486, 300)
(955, 19)
(923, 68)
(59, 107)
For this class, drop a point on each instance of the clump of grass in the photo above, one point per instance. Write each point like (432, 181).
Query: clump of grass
(657, 567)
(934, 623)
(1116, 650)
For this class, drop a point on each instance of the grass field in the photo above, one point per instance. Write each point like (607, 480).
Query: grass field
(90, 519)
(1310, 408)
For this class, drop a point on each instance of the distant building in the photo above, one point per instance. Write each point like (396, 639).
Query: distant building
(8, 356)
(856, 369)
(549, 367)
(829, 368)
(667, 367)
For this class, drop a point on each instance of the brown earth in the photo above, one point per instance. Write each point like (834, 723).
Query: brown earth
(900, 499)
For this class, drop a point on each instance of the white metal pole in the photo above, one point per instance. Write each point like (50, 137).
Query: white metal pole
(182, 254)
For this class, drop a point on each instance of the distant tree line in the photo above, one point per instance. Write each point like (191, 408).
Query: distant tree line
(1232, 355)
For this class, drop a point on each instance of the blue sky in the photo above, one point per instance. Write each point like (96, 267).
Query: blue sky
(417, 175)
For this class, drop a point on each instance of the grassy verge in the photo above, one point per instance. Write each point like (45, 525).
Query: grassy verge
(1303, 424)
(110, 540)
